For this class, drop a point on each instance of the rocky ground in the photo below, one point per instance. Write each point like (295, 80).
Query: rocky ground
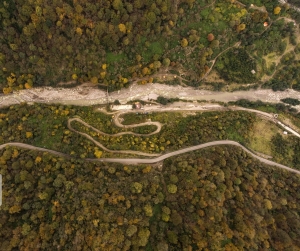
(84, 95)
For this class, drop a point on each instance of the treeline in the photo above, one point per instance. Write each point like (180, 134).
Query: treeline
(269, 107)
(291, 101)
(214, 199)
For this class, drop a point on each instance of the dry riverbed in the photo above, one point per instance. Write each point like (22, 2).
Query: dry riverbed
(90, 96)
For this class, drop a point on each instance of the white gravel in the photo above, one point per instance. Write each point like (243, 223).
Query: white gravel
(89, 95)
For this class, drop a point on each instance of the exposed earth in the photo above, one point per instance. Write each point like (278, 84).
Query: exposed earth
(85, 96)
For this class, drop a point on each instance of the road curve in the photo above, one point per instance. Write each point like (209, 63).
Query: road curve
(113, 135)
(197, 147)
(157, 159)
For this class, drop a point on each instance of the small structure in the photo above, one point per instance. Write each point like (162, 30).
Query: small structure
(253, 71)
(266, 24)
(285, 132)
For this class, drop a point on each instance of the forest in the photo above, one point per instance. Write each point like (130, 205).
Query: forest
(111, 44)
(214, 199)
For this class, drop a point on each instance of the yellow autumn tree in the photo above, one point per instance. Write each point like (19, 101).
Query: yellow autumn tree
(102, 74)
(79, 31)
(184, 42)
(11, 79)
(277, 10)
(98, 153)
(172, 188)
(241, 27)
(15, 153)
(28, 135)
(148, 210)
(122, 28)
(124, 80)
(7, 90)
(38, 159)
(14, 209)
(145, 71)
(147, 169)
(27, 85)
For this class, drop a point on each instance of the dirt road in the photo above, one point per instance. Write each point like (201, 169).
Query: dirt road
(198, 147)
(160, 158)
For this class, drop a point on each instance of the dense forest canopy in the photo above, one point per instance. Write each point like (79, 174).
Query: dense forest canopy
(216, 199)
(111, 43)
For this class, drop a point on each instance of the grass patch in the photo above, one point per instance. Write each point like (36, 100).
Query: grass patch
(113, 57)
(262, 133)
(144, 129)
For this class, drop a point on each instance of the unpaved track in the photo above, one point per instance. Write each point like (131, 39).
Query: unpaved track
(115, 135)
(35, 148)
(158, 159)
(158, 124)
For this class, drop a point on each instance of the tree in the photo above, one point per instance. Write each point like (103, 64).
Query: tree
(145, 71)
(277, 10)
(210, 37)
(117, 4)
(241, 27)
(98, 154)
(166, 62)
(29, 135)
(172, 237)
(157, 64)
(214, 44)
(184, 42)
(151, 17)
(148, 210)
(172, 188)
(94, 80)
(27, 85)
(58, 182)
(122, 28)
(131, 230)
(14, 209)
(136, 187)
(143, 234)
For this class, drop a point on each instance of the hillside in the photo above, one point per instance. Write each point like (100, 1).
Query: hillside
(216, 199)
(113, 43)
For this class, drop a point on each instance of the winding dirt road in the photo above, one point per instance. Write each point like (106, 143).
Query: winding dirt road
(116, 135)
(158, 159)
